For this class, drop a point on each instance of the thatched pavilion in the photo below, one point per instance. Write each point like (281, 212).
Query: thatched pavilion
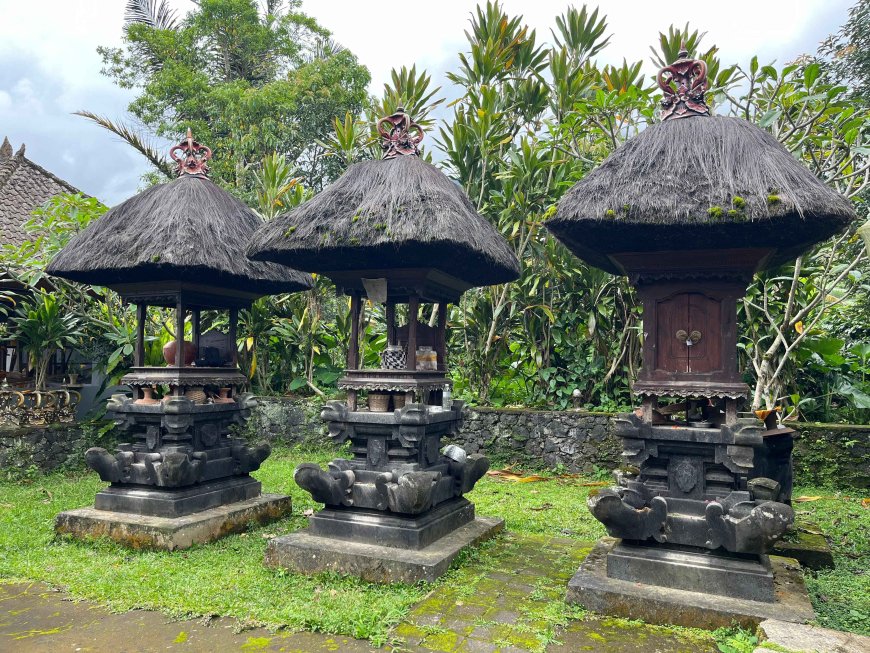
(393, 231)
(178, 245)
(689, 210)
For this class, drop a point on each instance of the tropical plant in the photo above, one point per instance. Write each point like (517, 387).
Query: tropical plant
(41, 328)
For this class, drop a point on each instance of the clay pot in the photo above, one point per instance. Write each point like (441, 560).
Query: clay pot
(398, 400)
(148, 398)
(170, 348)
(224, 397)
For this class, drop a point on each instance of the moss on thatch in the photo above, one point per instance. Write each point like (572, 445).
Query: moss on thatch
(188, 229)
(681, 177)
(394, 213)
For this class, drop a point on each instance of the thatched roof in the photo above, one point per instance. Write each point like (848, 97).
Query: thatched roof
(186, 230)
(384, 214)
(698, 183)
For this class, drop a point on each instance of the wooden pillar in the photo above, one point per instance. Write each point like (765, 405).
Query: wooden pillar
(194, 322)
(353, 362)
(441, 342)
(391, 323)
(179, 334)
(234, 346)
(141, 312)
(413, 309)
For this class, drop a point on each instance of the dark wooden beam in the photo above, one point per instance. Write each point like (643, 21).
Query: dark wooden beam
(141, 313)
(413, 309)
(194, 322)
(353, 346)
(234, 347)
(391, 322)
(441, 349)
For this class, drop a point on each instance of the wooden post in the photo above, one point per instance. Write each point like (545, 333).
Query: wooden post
(413, 309)
(194, 322)
(353, 346)
(441, 342)
(391, 323)
(179, 334)
(141, 312)
(234, 346)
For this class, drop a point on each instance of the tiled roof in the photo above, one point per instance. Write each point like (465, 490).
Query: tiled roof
(24, 186)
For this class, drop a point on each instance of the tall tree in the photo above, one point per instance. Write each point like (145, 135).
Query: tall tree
(248, 81)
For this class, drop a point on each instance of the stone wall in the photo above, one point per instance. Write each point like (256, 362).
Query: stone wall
(43, 448)
(835, 455)
(574, 440)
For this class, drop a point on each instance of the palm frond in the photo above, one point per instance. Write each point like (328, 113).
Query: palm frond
(132, 138)
(152, 13)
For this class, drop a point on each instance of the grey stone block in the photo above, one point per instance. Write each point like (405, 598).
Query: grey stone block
(146, 532)
(309, 554)
(743, 577)
(591, 588)
(176, 502)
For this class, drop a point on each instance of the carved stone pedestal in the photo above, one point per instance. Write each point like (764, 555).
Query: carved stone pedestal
(395, 512)
(181, 479)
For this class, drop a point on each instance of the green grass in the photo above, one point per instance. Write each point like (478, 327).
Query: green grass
(227, 577)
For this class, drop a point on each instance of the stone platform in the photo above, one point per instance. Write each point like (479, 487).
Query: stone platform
(171, 533)
(592, 588)
(308, 553)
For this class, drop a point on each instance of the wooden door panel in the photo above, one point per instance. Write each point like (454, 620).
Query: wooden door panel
(672, 355)
(705, 318)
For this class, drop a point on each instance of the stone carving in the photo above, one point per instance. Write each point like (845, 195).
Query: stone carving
(331, 487)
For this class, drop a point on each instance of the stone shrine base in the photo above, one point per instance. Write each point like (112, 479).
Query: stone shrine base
(171, 533)
(592, 588)
(307, 553)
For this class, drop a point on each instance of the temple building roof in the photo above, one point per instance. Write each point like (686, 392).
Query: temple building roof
(24, 186)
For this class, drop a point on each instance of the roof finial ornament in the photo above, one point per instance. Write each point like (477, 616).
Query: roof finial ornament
(401, 137)
(193, 159)
(690, 78)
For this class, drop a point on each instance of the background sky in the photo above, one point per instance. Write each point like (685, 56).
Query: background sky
(49, 66)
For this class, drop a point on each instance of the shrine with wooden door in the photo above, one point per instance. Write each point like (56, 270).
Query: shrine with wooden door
(689, 210)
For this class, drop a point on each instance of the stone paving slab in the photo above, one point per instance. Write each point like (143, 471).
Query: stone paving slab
(803, 638)
(37, 619)
(513, 604)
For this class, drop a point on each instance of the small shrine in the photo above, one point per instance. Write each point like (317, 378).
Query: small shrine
(690, 209)
(395, 232)
(178, 245)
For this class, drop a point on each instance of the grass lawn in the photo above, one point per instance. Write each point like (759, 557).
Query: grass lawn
(228, 578)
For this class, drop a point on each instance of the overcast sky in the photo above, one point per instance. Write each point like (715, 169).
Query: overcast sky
(49, 66)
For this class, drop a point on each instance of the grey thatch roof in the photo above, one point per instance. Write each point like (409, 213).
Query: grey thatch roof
(698, 183)
(389, 213)
(186, 230)
(24, 186)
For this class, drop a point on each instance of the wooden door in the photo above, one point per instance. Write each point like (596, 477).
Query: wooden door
(689, 334)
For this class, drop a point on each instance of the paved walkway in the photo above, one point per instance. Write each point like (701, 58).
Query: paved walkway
(508, 603)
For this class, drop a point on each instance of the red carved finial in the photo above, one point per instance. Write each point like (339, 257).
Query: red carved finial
(684, 83)
(191, 158)
(401, 137)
